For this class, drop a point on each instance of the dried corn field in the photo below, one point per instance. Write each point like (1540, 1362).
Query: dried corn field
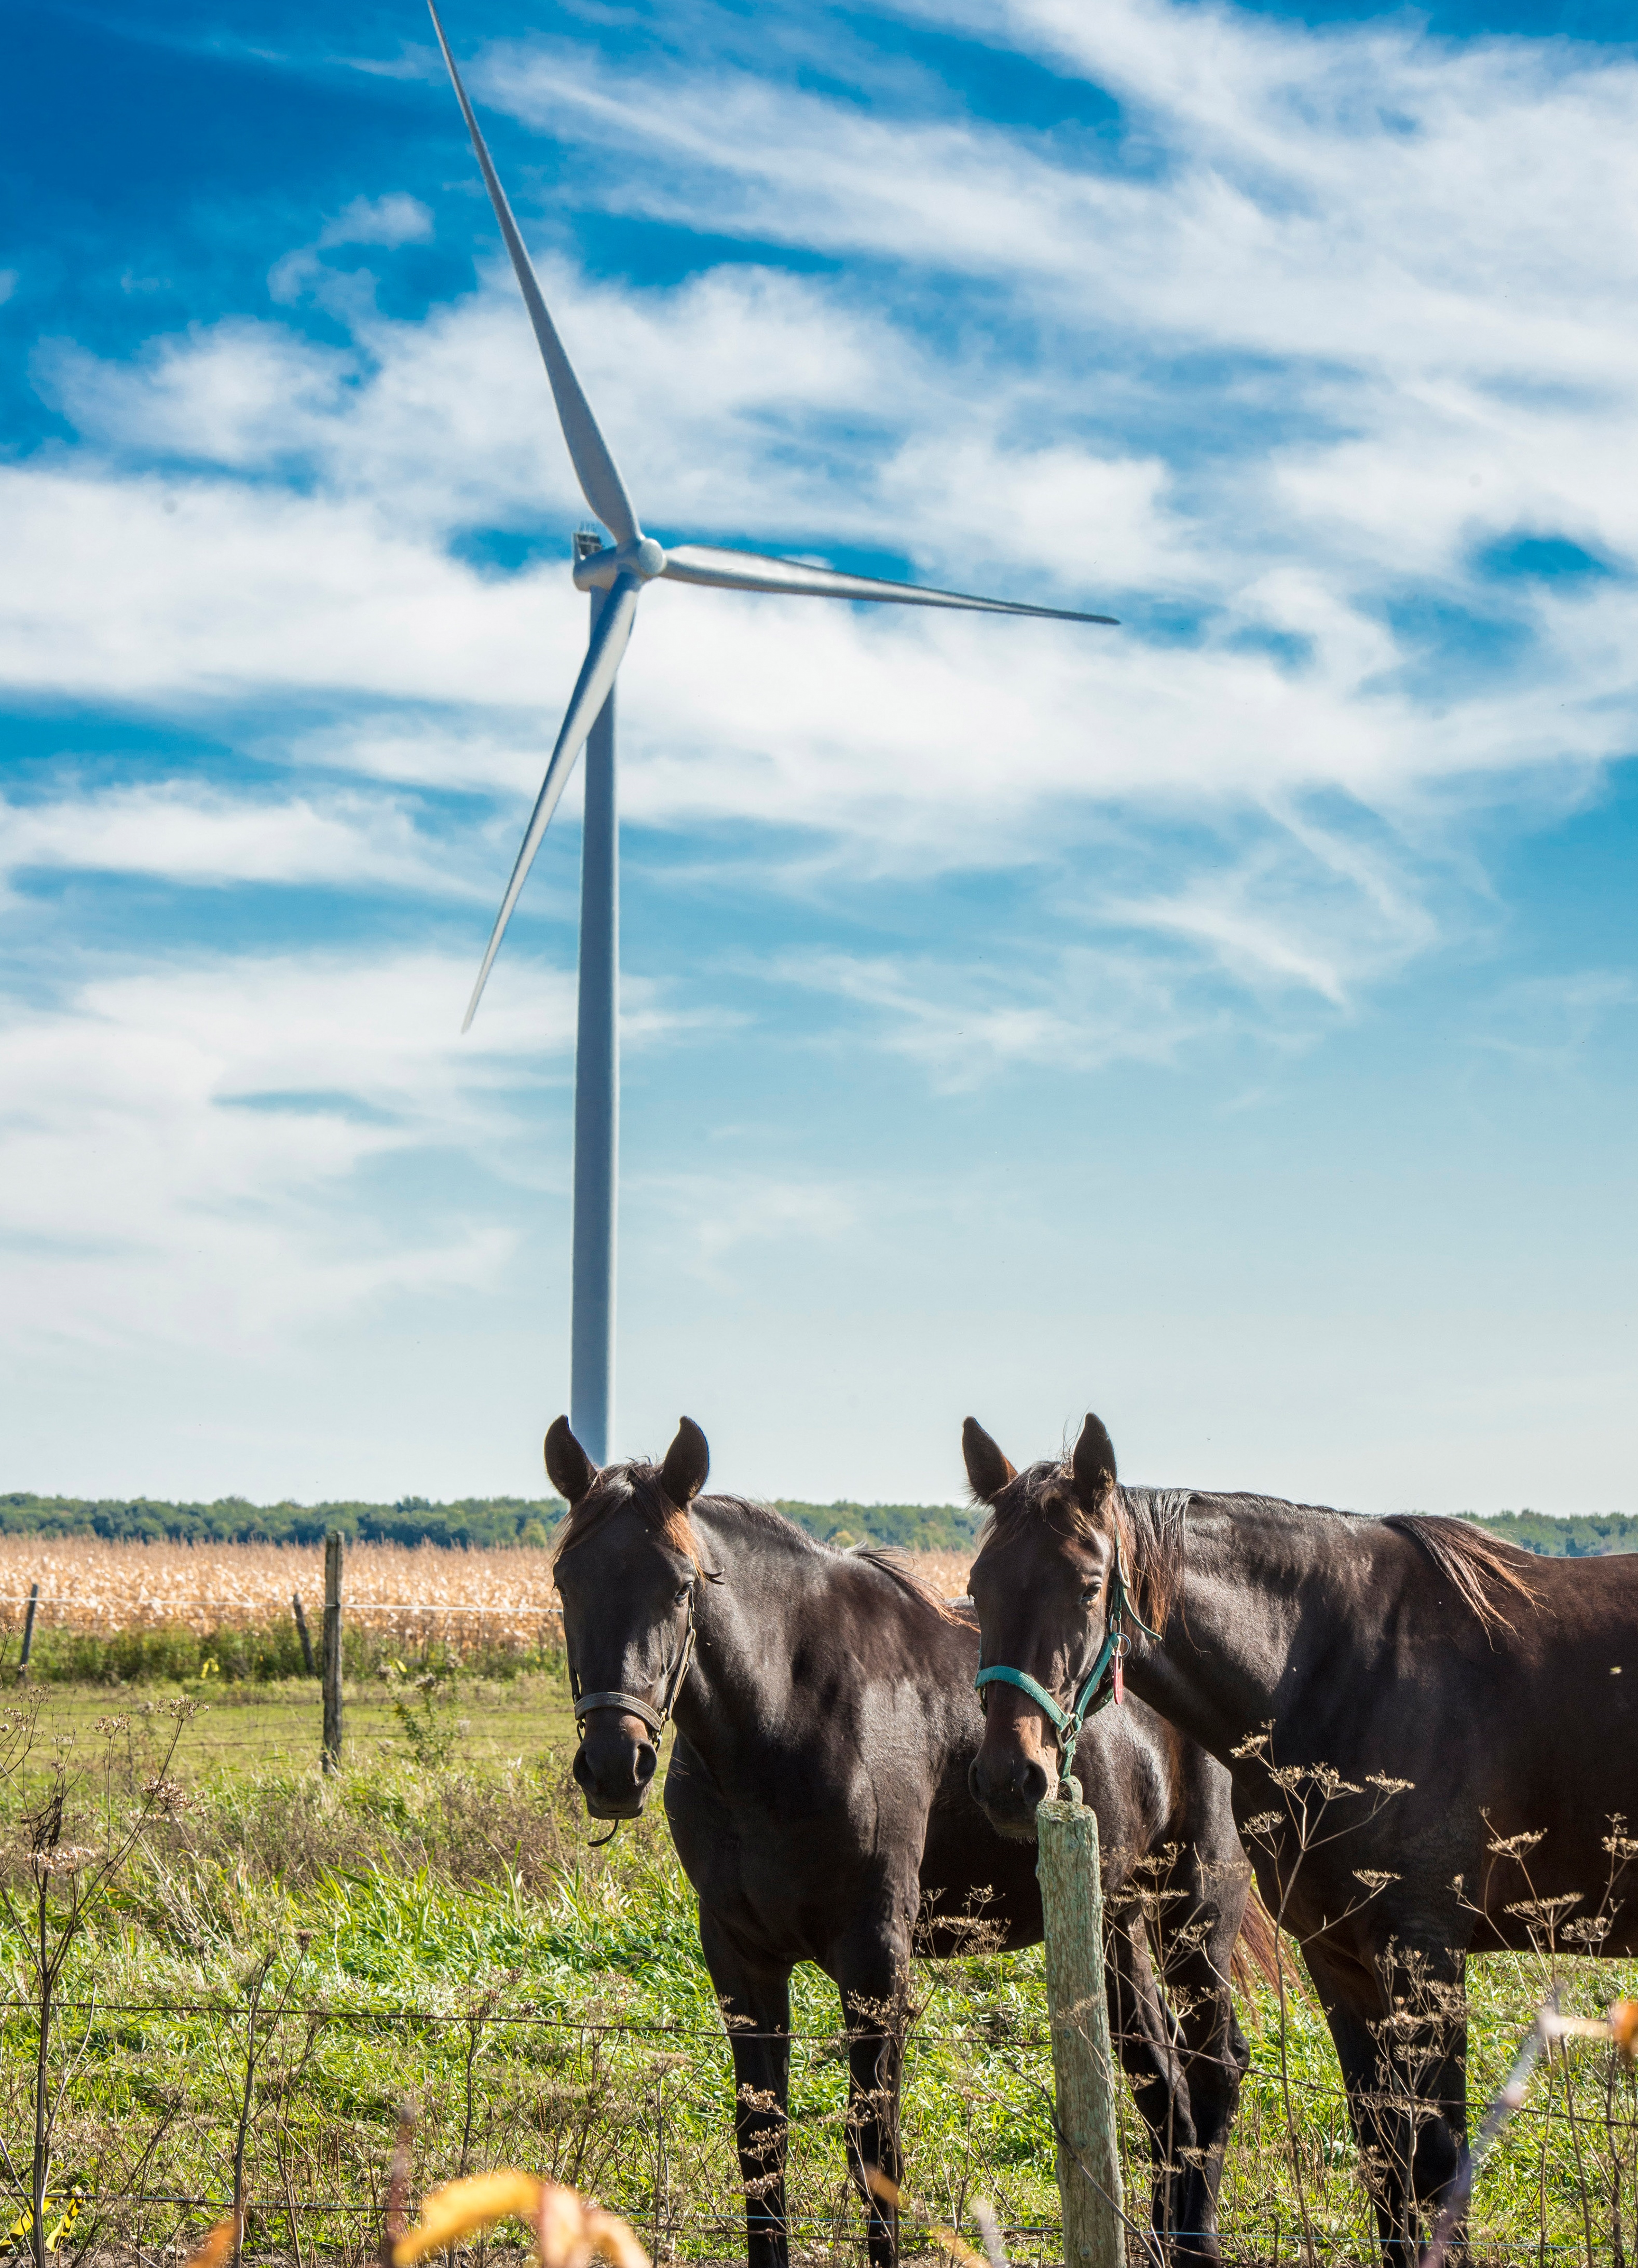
(94, 1588)
(946, 1570)
(426, 1595)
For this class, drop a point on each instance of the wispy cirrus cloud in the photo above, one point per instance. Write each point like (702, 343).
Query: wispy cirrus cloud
(175, 830)
(188, 1149)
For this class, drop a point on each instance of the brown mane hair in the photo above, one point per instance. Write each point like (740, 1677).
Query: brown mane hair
(1476, 1564)
(639, 1484)
(1147, 1526)
(1150, 1544)
(891, 1560)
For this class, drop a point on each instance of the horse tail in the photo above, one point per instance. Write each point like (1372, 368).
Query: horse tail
(1256, 1951)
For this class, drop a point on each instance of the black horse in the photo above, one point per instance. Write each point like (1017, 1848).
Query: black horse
(817, 1794)
(1433, 1739)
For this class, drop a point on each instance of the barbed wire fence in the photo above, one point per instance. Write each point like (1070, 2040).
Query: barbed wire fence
(518, 1629)
(650, 2134)
(156, 2104)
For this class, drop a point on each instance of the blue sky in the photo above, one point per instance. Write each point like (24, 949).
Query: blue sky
(1226, 1021)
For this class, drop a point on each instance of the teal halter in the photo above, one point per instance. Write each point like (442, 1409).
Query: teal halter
(1089, 1699)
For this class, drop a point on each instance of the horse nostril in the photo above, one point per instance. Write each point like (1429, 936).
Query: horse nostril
(1032, 1783)
(582, 1769)
(647, 1758)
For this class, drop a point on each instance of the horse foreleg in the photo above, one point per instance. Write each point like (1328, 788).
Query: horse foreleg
(873, 1977)
(756, 2003)
(1139, 2025)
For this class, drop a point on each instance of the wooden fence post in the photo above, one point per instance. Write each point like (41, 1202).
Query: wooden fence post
(330, 1757)
(301, 1632)
(1083, 2069)
(28, 1636)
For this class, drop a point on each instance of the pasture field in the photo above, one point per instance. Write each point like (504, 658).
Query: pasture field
(432, 1927)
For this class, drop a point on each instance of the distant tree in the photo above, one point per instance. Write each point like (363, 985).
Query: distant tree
(477, 1520)
(480, 1521)
(1564, 1536)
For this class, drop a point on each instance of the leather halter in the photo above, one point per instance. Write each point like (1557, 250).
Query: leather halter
(1088, 1697)
(627, 1703)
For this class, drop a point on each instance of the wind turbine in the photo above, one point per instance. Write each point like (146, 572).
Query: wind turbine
(614, 575)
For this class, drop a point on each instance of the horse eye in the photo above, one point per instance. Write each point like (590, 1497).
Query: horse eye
(1089, 1590)
(684, 1593)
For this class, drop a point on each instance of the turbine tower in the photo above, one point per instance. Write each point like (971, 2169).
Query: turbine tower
(614, 575)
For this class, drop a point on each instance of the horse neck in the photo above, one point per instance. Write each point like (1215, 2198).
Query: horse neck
(1259, 1583)
(744, 1625)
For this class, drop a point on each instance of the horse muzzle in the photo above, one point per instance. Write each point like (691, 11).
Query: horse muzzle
(615, 1765)
(1007, 1788)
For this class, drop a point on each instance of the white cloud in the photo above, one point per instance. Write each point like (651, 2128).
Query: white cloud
(390, 220)
(712, 1219)
(241, 395)
(965, 1024)
(1288, 376)
(1547, 1023)
(1398, 225)
(1439, 356)
(1267, 377)
(175, 830)
(184, 1151)
(166, 592)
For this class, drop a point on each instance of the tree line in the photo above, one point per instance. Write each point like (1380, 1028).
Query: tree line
(469, 1522)
(485, 1522)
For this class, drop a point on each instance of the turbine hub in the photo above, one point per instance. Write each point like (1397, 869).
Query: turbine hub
(595, 570)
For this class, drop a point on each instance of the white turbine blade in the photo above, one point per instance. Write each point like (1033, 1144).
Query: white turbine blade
(592, 689)
(595, 467)
(721, 569)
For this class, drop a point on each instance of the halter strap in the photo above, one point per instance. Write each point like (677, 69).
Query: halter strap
(1088, 1697)
(628, 1703)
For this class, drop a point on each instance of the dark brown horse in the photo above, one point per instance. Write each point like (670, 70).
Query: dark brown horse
(1433, 1739)
(817, 1794)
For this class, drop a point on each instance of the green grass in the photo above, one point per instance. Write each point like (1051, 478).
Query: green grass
(243, 1728)
(178, 1658)
(436, 1926)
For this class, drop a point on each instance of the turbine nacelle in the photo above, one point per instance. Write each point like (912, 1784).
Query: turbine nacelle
(597, 569)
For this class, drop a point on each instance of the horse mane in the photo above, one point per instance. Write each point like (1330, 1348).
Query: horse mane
(891, 1560)
(1153, 1540)
(639, 1482)
(1477, 1565)
(636, 1483)
(1148, 1524)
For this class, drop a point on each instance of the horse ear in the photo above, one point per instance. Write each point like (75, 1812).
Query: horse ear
(988, 1471)
(688, 1461)
(570, 1470)
(1093, 1463)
